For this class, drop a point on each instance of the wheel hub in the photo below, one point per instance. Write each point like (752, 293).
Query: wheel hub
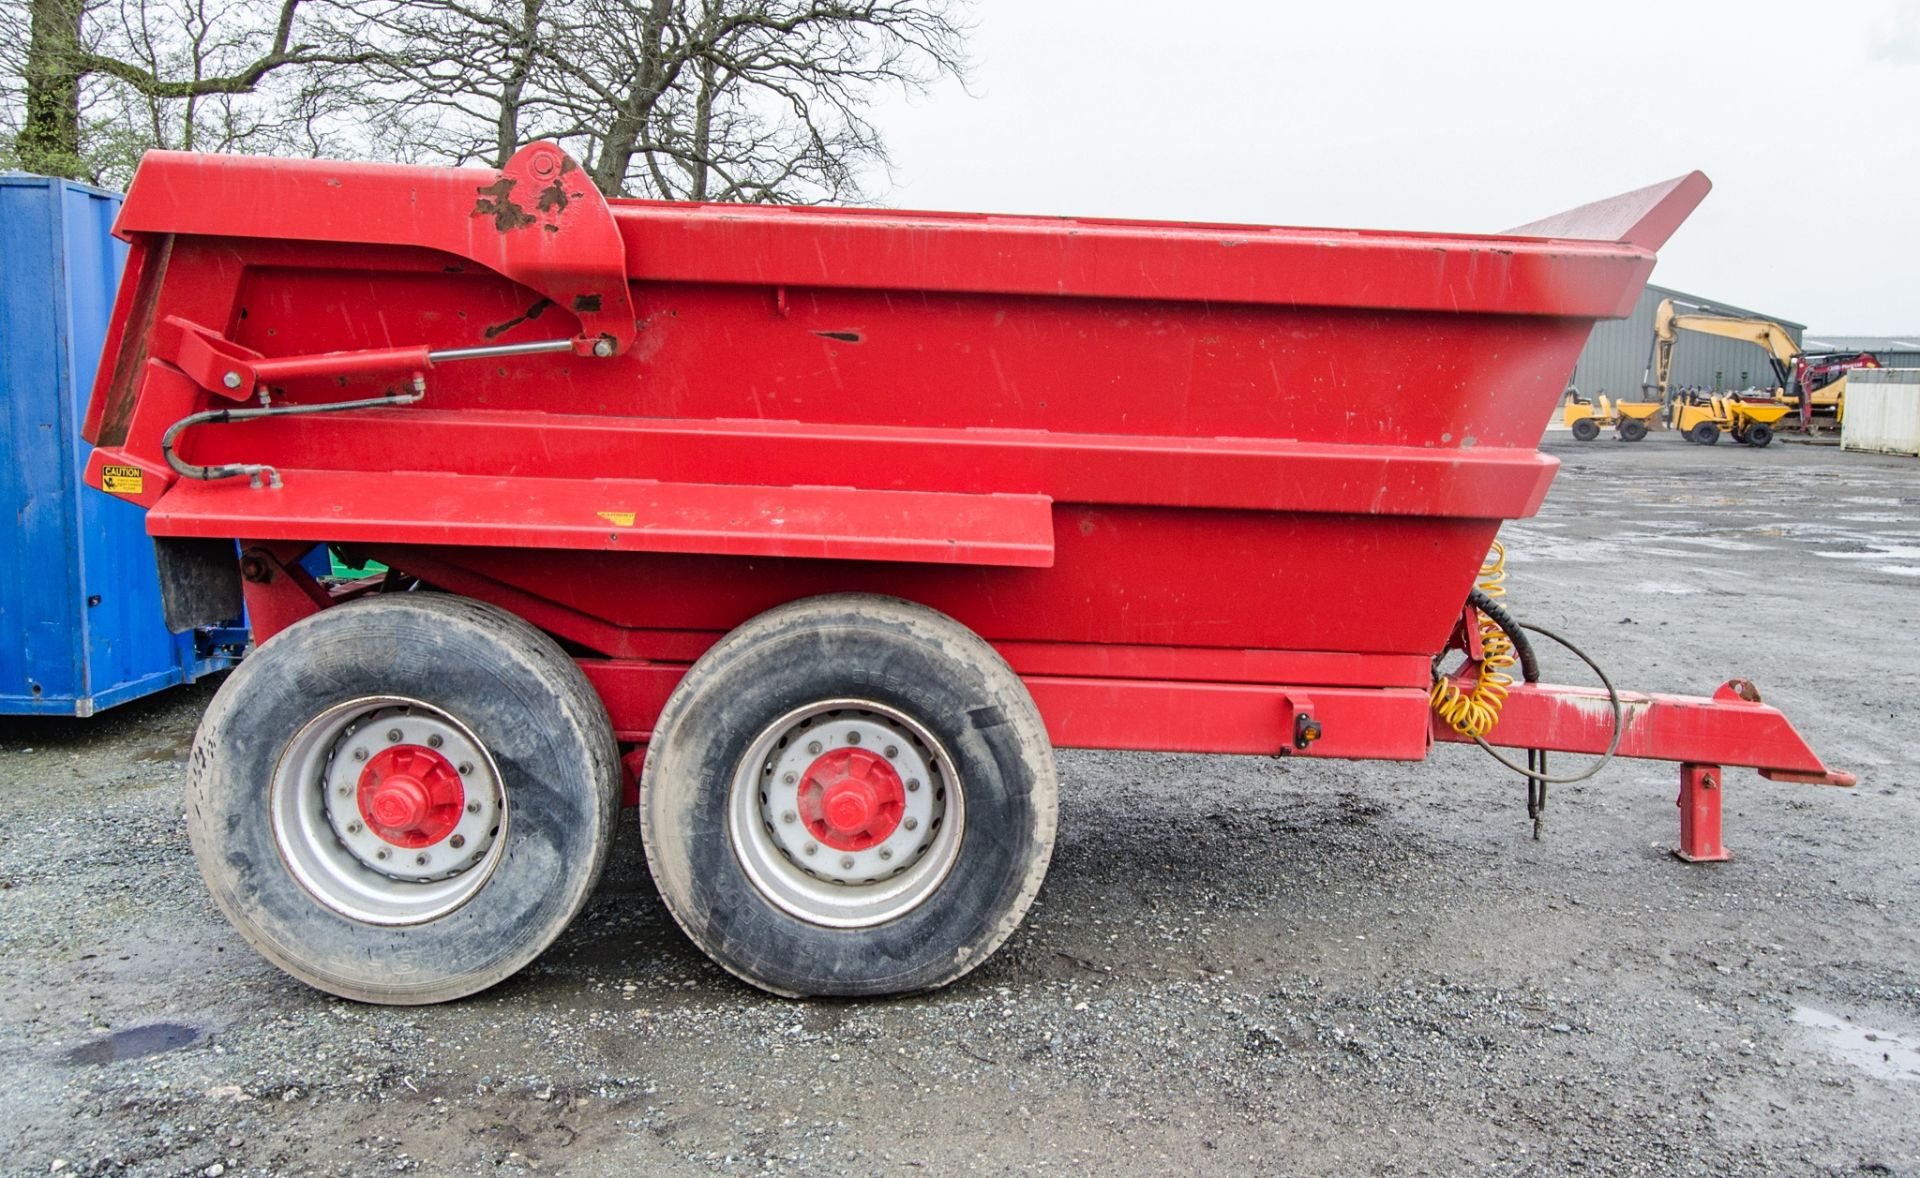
(407, 799)
(411, 796)
(846, 813)
(851, 799)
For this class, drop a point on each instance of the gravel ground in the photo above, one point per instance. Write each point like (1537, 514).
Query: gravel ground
(1236, 965)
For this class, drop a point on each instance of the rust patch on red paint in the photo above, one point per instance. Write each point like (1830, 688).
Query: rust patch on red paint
(496, 201)
(552, 199)
(534, 312)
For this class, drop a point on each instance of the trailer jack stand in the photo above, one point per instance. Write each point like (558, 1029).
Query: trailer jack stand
(1699, 804)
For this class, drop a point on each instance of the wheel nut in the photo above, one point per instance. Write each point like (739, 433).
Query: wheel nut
(359, 754)
(846, 862)
(813, 746)
(435, 741)
(466, 768)
(473, 807)
(419, 860)
(810, 848)
(353, 828)
(790, 778)
(892, 751)
(457, 841)
(911, 824)
(382, 853)
(885, 853)
(393, 736)
(787, 816)
(853, 738)
(345, 790)
(913, 783)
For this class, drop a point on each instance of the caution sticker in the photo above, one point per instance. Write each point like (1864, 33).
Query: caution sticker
(619, 519)
(122, 480)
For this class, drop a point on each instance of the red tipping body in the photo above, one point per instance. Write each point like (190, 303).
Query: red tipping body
(1200, 484)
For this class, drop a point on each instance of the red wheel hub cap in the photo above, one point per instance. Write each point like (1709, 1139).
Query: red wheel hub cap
(410, 795)
(851, 799)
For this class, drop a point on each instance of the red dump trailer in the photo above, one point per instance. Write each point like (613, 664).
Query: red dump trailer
(815, 530)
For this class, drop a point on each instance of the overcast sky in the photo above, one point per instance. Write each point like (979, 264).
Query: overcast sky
(1459, 116)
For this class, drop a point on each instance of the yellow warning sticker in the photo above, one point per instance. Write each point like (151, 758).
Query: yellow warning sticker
(122, 480)
(619, 519)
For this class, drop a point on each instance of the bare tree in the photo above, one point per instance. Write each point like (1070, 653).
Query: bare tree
(744, 100)
(103, 80)
(49, 138)
(738, 100)
(724, 100)
(456, 80)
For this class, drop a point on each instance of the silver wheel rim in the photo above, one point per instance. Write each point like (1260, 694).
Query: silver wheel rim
(840, 887)
(323, 836)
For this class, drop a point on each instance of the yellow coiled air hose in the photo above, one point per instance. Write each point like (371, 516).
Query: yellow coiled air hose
(1473, 713)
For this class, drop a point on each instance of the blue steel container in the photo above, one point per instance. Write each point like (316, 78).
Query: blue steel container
(80, 623)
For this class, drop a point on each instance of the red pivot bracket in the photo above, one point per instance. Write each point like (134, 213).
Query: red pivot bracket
(1700, 815)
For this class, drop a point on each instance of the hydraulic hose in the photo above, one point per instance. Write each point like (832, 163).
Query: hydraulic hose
(1474, 709)
(1613, 699)
(259, 470)
(1529, 666)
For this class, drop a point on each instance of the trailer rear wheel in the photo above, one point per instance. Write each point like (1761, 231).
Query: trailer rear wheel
(1585, 430)
(849, 795)
(404, 799)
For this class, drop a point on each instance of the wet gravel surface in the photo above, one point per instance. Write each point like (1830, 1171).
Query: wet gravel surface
(1236, 965)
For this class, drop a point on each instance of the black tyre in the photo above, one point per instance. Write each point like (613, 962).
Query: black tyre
(1706, 433)
(1759, 435)
(404, 799)
(1585, 430)
(1632, 429)
(849, 795)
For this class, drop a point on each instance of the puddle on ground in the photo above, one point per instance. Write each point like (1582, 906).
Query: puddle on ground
(135, 1043)
(1883, 1053)
(1722, 544)
(1879, 552)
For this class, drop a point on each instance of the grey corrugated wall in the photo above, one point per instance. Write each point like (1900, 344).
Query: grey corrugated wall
(1615, 358)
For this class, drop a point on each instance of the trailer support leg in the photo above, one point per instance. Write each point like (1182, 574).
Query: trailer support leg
(1700, 815)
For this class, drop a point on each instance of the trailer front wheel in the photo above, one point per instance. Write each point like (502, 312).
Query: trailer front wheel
(849, 795)
(403, 799)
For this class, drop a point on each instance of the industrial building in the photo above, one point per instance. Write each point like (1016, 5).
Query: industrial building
(1616, 356)
(1893, 351)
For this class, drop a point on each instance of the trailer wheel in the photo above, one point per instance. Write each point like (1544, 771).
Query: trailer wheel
(404, 799)
(1759, 434)
(849, 795)
(1706, 433)
(1585, 430)
(1632, 429)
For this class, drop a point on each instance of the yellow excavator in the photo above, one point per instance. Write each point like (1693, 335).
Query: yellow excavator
(1812, 386)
